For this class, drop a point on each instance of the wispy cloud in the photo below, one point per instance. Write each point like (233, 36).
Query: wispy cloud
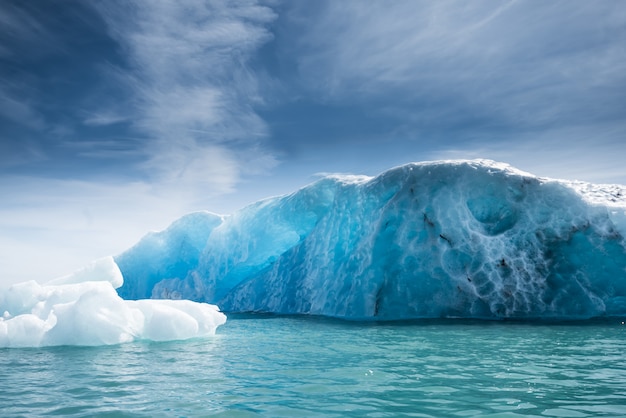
(21, 29)
(104, 119)
(31, 42)
(594, 154)
(191, 91)
(520, 81)
(177, 73)
(19, 32)
(19, 109)
(518, 63)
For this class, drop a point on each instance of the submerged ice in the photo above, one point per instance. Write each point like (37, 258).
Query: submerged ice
(444, 239)
(85, 309)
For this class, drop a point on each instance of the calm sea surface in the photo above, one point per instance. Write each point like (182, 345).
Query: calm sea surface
(297, 367)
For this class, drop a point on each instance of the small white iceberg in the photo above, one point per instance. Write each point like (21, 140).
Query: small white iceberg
(85, 309)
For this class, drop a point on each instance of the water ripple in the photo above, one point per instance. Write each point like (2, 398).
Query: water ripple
(273, 366)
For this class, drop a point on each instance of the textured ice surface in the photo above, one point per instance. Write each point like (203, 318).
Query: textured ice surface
(84, 309)
(171, 253)
(455, 238)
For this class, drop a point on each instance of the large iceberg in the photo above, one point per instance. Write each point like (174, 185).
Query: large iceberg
(440, 239)
(84, 309)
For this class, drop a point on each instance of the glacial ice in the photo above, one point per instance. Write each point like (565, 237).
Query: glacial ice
(84, 309)
(441, 239)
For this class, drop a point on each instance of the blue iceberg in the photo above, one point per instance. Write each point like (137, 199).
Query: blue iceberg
(475, 239)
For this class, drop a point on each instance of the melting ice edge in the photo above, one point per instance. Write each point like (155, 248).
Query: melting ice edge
(474, 239)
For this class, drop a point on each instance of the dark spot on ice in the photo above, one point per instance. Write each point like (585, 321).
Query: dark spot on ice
(443, 237)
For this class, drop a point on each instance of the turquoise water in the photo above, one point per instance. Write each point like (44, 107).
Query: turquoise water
(297, 366)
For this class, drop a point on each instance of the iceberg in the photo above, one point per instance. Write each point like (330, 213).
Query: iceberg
(475, 239)
(84, 309)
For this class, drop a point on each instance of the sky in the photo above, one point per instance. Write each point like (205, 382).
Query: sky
(118, 117)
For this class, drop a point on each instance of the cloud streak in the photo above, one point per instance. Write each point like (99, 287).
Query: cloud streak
(153, 127)
(522, 63)
(450, 76)
(191, 89)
